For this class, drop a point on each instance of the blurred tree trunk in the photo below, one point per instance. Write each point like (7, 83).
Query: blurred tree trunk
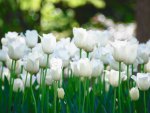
(143, 20)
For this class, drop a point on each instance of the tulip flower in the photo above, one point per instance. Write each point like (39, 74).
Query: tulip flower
(79, 38)
(147, 67)
(113, 77)
(61, 93)
(18, 85)
(134, 93)
(97, 67)
(142, 80)
(84, 67)
(32, 63)
(16, 49)
(48, 42)
(31, 38)
(3, 55)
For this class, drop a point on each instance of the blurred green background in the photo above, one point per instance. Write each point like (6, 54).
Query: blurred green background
(61, 15)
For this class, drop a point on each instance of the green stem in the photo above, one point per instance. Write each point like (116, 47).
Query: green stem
(87, 54)
(114, 104)
(119, 91)
(24, 94)
(145, 108)
(47, 99)
(80, 53)
(84, 96)
(55, 95)
(128, 86)
(43, 83)
(33, 94)
(79, 94)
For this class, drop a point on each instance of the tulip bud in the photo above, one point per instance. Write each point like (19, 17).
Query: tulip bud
(16, 49)
(134, 93)
(113, 77)
(31, 38)
(56, 73)
(48, 43)
(84, 67)
(18, 85)
(147, 67)
(61, 93)
(32, 63)
(142, 80)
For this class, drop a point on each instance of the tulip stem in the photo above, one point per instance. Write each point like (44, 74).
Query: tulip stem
(55, 95)
(24, 94)
(114, 104)
(84, 96)
(32, 94)
(145, 111)
(79, 94)
(13, 67)
(119, 91)
(128, 87)
(43, 83)
(80, 53)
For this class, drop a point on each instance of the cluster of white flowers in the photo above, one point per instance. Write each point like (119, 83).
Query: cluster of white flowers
(104, 48)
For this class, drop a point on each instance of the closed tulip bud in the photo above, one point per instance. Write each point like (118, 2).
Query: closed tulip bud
(56, 73)
(61, 93)
(113, 77)
(18, 85)
(48, 43)
(134, 93)
(49, 79)
(130, 48)
(32, 63)
(142, 80)
(147, 67)
(16, 49)
(74, 68)
(31, 38)
(84, 67)
(143, 55)
(79, 36)
(118, 47)
(97, 67)
(6, 73)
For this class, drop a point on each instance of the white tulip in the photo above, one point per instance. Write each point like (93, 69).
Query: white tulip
(32, 63)
(49, 78)
(143, 54)
(61, 93)
(56, 73)
(90, 42)
(3, 55)
(18, 85)
(16, 49)
(147, 67)
(113, 77)
(80, 35)
(6, 73)
(74, 67)
(84, 67)
(118, 53)
(31, 38)
(142, 80)
(97, 67)
(134, 93)
(48, 43)
(130, 48)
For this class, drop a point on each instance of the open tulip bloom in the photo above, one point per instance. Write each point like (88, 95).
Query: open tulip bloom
(97, 71)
